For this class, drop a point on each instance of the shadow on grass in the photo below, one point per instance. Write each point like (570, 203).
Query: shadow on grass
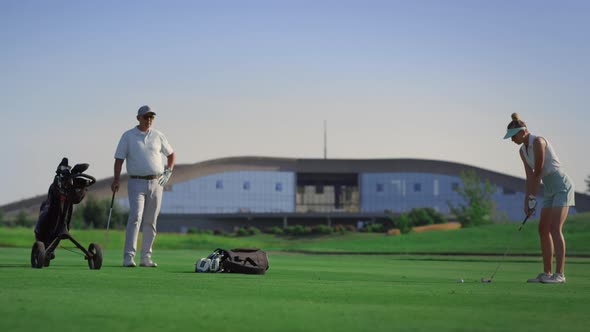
(27, 266)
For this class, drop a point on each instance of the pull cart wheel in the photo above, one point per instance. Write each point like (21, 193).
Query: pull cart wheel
(38, 255)
(95, 260)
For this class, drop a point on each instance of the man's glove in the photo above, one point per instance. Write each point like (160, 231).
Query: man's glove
(532, 203)
(165, 177)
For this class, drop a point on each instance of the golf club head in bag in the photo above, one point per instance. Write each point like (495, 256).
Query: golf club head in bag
(214, 266)
(203, 265)
(215, 261)
(63, 168)
(79, 168)
(210, 264)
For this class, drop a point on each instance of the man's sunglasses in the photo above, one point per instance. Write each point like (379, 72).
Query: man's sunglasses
(148, 117)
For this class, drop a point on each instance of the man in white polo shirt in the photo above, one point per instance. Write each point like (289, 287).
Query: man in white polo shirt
(143, 147)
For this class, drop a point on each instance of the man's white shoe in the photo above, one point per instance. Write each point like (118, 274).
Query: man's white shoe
(148, 263)
(556, 278)
(129, 264)
(128, 261)
(540, 278)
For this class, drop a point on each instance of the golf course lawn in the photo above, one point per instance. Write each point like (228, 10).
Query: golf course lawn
(298, 293)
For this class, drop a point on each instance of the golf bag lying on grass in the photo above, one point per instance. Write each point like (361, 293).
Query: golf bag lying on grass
(239, 260)
(68, 188)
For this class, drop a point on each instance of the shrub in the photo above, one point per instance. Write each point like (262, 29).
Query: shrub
(194, 230)
(252, 230)
(425, 216)
(321, 229)
(297, 230)
(94, 213)
(375, 228)
(276, 230)
(242, 231)
(23, 219)
(344, 228)
(247, 231)
(479, 206)
(419, 217)
(402, 222)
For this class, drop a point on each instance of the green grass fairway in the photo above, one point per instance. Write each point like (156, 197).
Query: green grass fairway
(299, 293)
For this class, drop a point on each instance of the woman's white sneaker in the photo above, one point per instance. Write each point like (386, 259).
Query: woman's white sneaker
(541, 277)
(556, 278)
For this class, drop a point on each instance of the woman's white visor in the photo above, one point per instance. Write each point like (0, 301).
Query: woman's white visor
(512, 132)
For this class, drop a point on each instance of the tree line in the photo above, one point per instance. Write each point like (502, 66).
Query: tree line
(90, 214)
(478, 209)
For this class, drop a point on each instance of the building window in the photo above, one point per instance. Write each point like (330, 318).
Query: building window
(398, 187)
(379, 187)
(278, 186)
(417, 187)
(246, 185)
(507, 191)
(219, 184)
(319, 189)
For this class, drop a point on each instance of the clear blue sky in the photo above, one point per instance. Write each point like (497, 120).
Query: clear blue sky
(394, 79)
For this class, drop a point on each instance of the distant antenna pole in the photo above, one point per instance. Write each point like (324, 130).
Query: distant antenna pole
(325, 140)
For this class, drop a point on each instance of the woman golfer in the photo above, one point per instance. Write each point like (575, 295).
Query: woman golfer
(541, 163)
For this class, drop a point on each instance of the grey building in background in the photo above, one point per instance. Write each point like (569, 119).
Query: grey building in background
(229, 192)
(263, 191)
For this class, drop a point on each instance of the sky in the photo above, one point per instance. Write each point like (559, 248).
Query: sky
(393, 79)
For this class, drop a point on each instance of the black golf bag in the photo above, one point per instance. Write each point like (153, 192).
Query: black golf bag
(68, 188)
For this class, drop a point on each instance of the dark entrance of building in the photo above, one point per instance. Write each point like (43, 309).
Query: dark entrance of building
(327, 192)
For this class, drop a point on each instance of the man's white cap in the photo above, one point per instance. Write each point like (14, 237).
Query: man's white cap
(145, 109)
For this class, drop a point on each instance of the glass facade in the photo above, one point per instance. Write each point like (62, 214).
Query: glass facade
(284, 192)
(233, 192)
(402, 192)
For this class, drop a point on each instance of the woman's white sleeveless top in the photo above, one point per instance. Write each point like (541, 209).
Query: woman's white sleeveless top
(551, 163)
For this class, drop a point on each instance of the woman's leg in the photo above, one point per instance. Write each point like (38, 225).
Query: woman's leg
(558, 216)
(546, 241)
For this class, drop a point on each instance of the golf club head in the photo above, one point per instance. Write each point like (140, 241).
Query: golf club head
(486, 280)
(79, 168)
(64, 162)
(63, 168)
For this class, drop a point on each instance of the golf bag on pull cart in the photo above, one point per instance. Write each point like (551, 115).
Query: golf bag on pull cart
(68, 188)
(239, 260)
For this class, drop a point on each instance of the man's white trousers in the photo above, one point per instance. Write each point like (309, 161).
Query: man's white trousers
(145, 199)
